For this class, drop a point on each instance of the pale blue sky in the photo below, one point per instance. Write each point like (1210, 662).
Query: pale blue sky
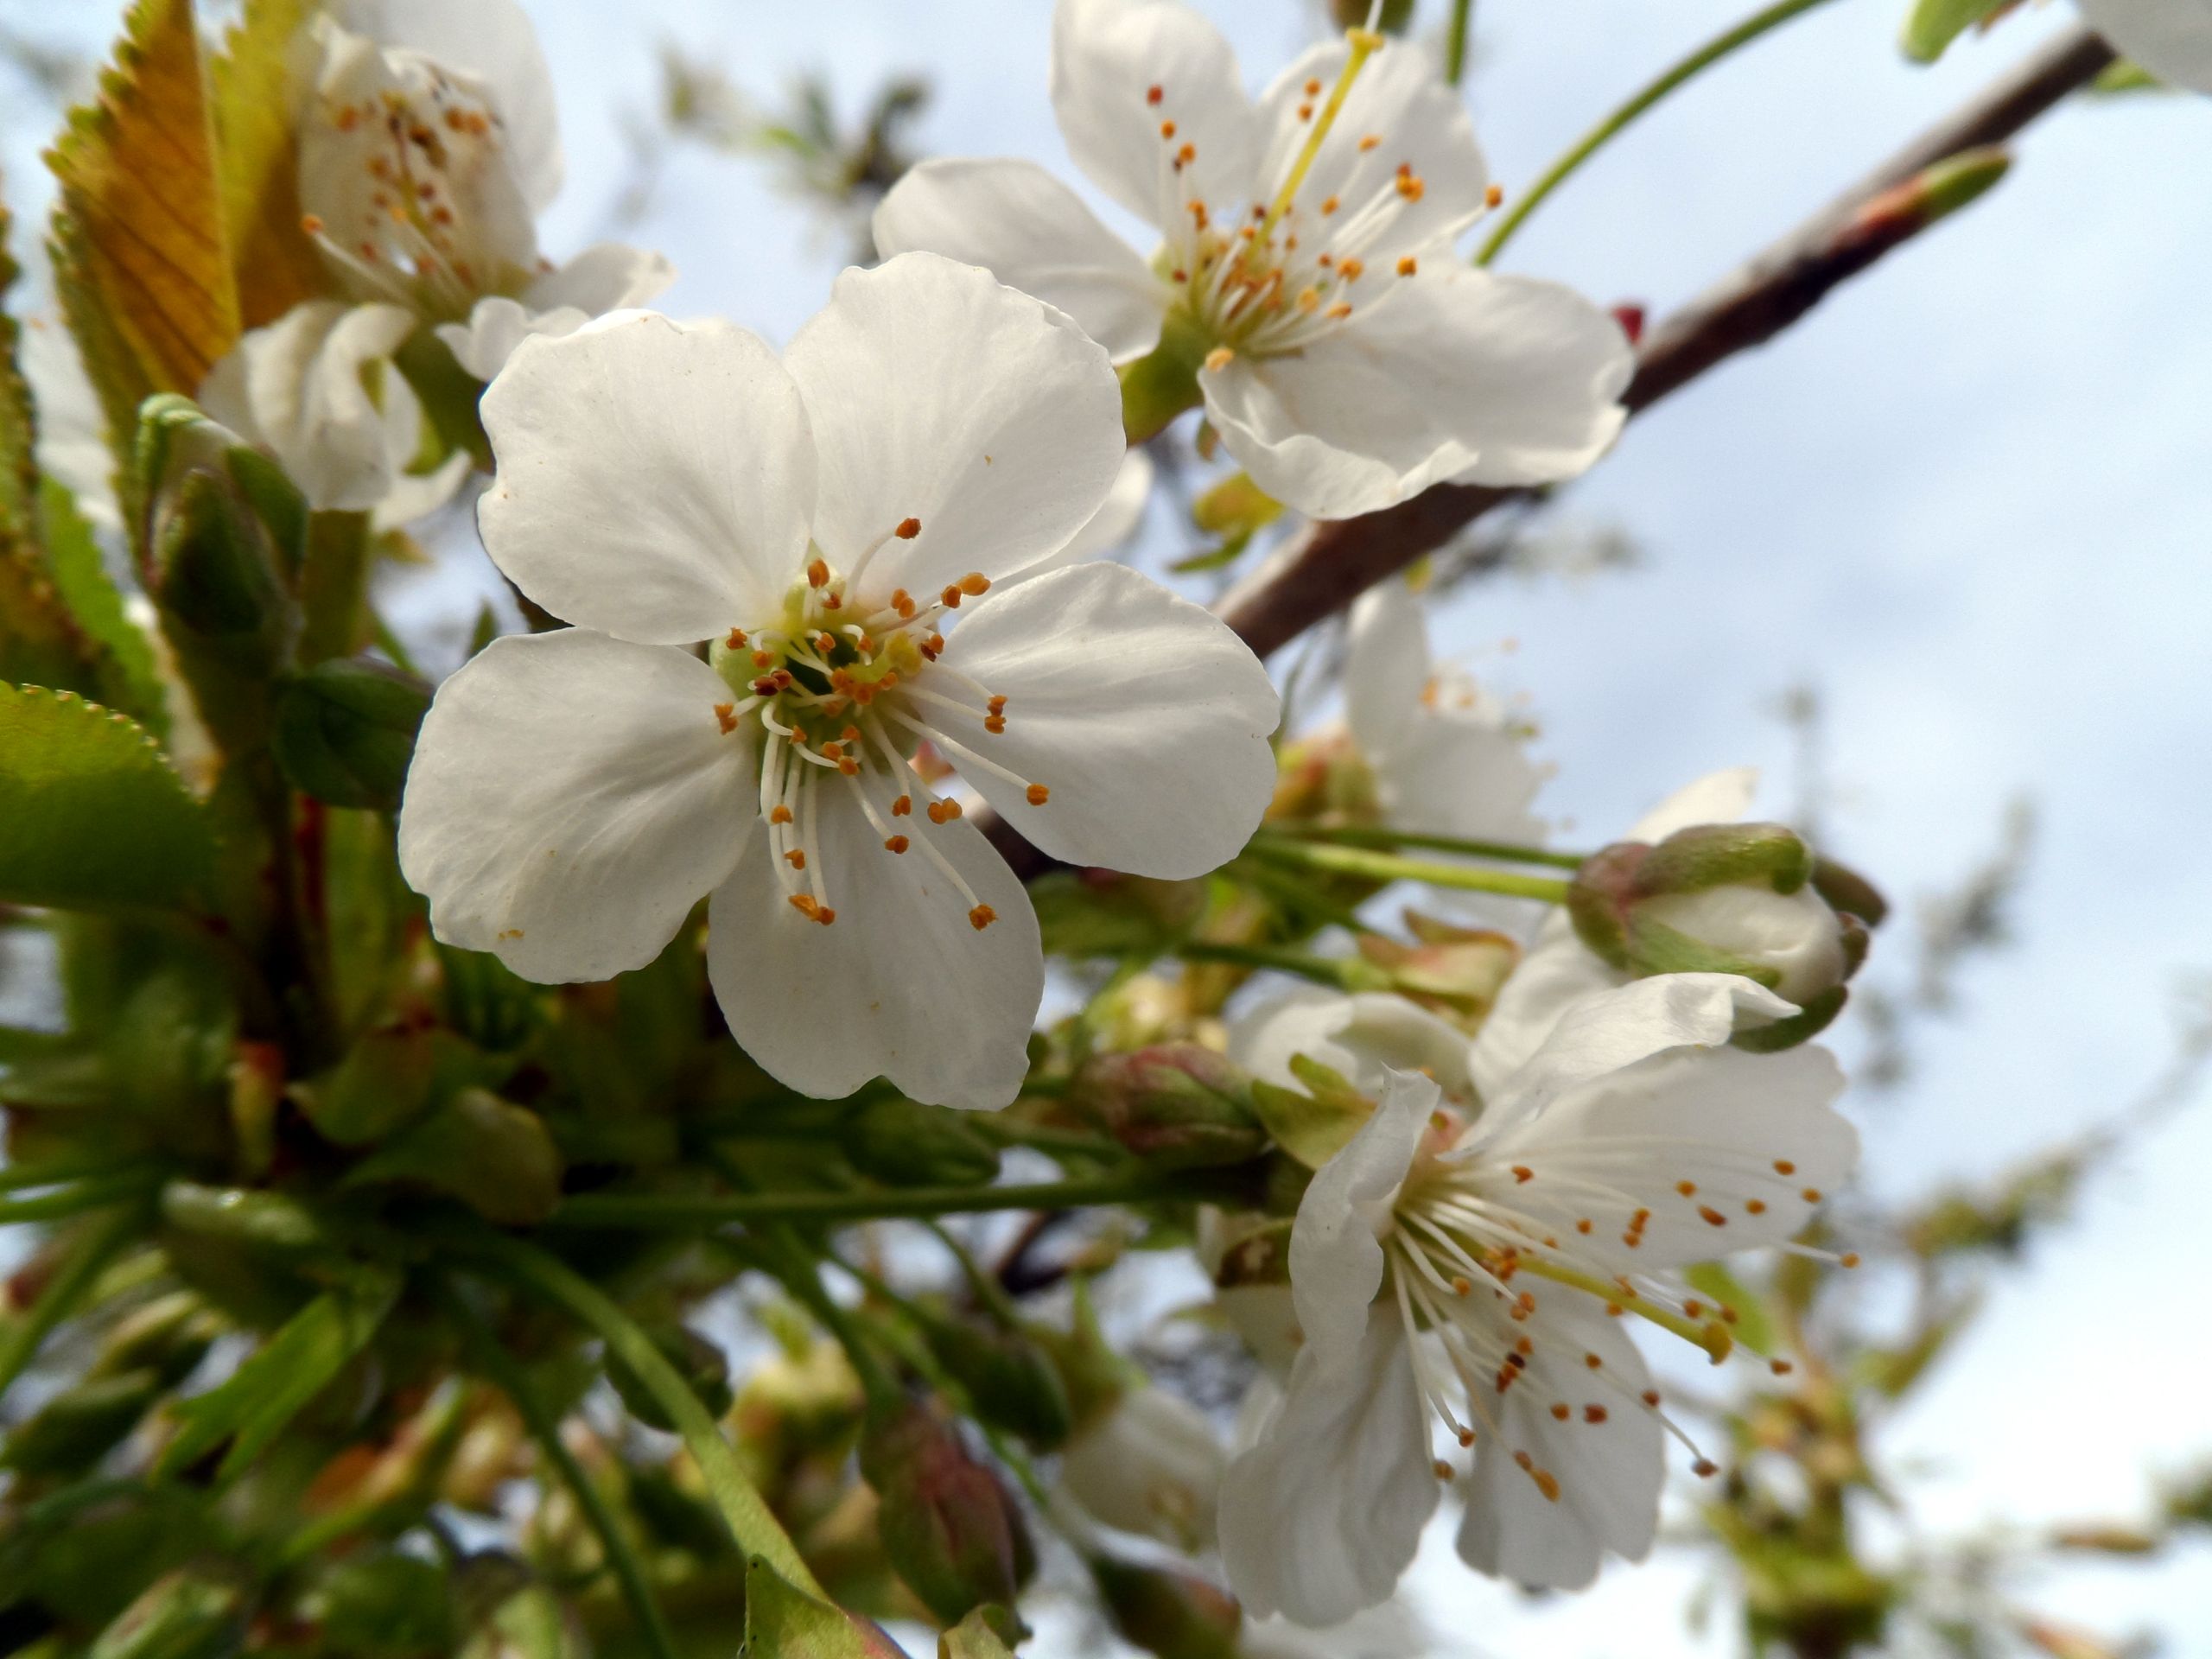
(1971, 500)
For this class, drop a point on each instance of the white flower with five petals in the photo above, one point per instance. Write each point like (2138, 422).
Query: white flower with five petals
(1474, 1274)
(1346, 355)
(926, 438)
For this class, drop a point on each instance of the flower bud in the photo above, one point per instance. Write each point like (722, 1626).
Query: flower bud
(220, 566)
(902, 1142)
(1323, 776)
(1745, 899)
(1011, 1380)
(1174, 1615)
(345, 731)
(949, 1526)
(1177, 1105)
(1456, 972)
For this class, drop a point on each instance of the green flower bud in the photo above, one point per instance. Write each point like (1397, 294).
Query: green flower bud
(345, 731)
(902, 1142)
(1746, 898)
(698, 1361)
(1172, 1614)
(949, 1526)
(223, 536)
(1011, 1380)
(1179, 1105)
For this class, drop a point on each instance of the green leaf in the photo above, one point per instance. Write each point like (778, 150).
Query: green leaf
(124, 671)
(276, 265)
(2125, 77)
(782, 1623)
(1752, 1326)
(1934, 24)
(279, 1378)
(91, 814)
(140, 186)
(495, 1157)
(973, 1637)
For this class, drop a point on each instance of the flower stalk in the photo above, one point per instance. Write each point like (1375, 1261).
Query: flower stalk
(1390, 866)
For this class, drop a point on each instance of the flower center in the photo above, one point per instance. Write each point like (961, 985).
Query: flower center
(427, 153)
(1469, 1235)
(1279, 274)
(843, 699)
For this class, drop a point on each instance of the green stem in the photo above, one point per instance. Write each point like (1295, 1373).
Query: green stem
(74, 1200)
(499, 1368)
(20, 1341)
(985, 1288)
(1340, 973)
(1687, 69)
(1455, 42)
(1388, 867)
(16, 1177)
(1381, 837)
(688, 1214)
(749, 1519)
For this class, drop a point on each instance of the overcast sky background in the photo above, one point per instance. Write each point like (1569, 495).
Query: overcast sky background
(1970, 501)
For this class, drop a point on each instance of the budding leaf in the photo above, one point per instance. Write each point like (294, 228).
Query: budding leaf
(276, 265)
(279, 1379)
(91, 814)
(1934, 24)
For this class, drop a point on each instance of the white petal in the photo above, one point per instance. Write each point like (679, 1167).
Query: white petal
(1151, 1466)
(606, 276)
(1795, 935)
(1748, 1135)
(2171, 38)
(1557, 972)
(1107, 57)
(937, 393)
(1399, 99)
(1609, 1471)
(1359, 1037)
(413, 495)
(302, 386)
(1386, 666)
(1454, 374)
(655, 478)
(1336, 1255)
(492, 40)
(1031, 233)
(1146, 718)
(1461, 774)
(1117, 520)
(1320, 1517)
(1616, 1028)
(1717, 797)
(901, 985)
(572, 796)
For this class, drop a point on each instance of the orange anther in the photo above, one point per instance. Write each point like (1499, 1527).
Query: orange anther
(726, 716)
(1154, 94)
(981, 916)
(735, 640)
(951, 597)
(311, 223)
(764, 659)
(944, 812)
(994, 724)
(833, 751)
(1411, 188)
(804, 904)
(896, 844)
(1312, 89)
(1811, 1195)
(824, 915)
(1688, 1189)
(1329, 205)
(796, 859)
(1783, 1166)
(1705, 1468)
(1651, 1398)
(1593, 1414)
(1353, 269)
(902, 602)
(1780, 1367)
(1755, 1207)
(1522, 1174)
(1038, 794)
(1167, 129)
(1338, 312)
(1442, 1469)
(974, 584)
(1408, 265)
(908, 528)
(1712, 1216)
(780, 815)
(817, 574)
(1371, 142)
(1306, 112)
(1493, 196)
(902, 806)
(1592, 1361)
(1561, 1410)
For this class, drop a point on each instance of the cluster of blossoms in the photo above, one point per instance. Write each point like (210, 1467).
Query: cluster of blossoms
(802, 591)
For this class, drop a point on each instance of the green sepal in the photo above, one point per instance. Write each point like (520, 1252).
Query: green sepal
(494, 1156)
(1708, 856)
(1311, 1127)
(902, 1142)
(1809, 1021)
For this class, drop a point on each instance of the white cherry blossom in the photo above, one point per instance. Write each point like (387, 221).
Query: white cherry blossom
(428, 148)
(1348, 357)
(1478, 1276)
(820, 522)
(1151, 1464)
(2172, 39)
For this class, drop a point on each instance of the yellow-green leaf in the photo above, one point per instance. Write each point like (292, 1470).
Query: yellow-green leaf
(1932, 25)
(276, 265)
(91, 814)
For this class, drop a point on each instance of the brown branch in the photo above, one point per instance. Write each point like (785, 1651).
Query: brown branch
(1330, 564)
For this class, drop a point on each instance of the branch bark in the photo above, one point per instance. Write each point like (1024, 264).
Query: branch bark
(1330, 564)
